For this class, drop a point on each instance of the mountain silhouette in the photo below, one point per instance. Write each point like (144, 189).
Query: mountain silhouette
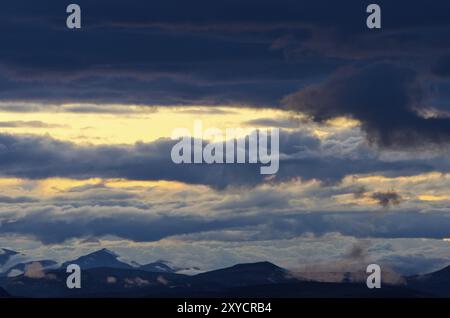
(105, 275)
(100, 258)
(3, 293)
(436, 283)
(158, 267)
(5, 255)
(244, 274)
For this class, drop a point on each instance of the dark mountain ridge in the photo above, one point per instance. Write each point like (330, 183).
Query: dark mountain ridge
(105, 275)
(100, 258)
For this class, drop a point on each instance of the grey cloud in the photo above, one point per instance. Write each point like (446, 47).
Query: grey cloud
(50, 225)
(132, 224)
(302, 156)
(16, 200)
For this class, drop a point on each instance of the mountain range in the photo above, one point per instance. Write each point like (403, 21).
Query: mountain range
(106, 274)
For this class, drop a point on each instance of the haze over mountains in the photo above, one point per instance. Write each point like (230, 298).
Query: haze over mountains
(106, 274)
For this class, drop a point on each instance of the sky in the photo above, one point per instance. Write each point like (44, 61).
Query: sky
(86, 118)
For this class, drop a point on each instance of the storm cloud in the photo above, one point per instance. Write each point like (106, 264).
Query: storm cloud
(388, 101)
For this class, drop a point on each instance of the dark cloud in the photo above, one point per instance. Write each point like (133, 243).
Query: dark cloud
(387, 199)
(16, 200)
(50, 225)
(200, 52)
(385, 98)
(362, 225)
(125, 55)
(302, 156)
(37, 158)
(360, 192)
(358, 251)
(125, 224)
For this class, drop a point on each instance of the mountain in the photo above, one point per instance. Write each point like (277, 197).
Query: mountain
(442, 275)
(244, 280)
(96, 282)
(243, 275)
(318, 290)
(101, 258)
(5, 255)
(9, 259)
(158, 267)
(104, 274)
(436, 283)
(3, 293)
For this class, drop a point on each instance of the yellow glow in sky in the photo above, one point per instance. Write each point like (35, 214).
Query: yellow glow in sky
(127, 128)
(56, 186)
(429, 197)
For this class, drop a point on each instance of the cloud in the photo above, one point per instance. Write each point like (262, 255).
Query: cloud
(350, 267)
(111, 280)
(247, 223)
(270, 122)
(206, 56)
(118, 221)
(136, 281)
(228, 53)
(34, 270)
(15, 200)
(211, 68)
(302, 156)
(360, 192)
(162, 280)
(387, 199)
(28, 124)
(385, 98)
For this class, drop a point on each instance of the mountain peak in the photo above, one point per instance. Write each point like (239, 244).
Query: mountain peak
(260, 268)
(5, 251)
(259, 273)
(100, 258)
(3, 293)
(104, 251)
(443, 273)
(159, 266)
(267, 266)
(5, 255)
